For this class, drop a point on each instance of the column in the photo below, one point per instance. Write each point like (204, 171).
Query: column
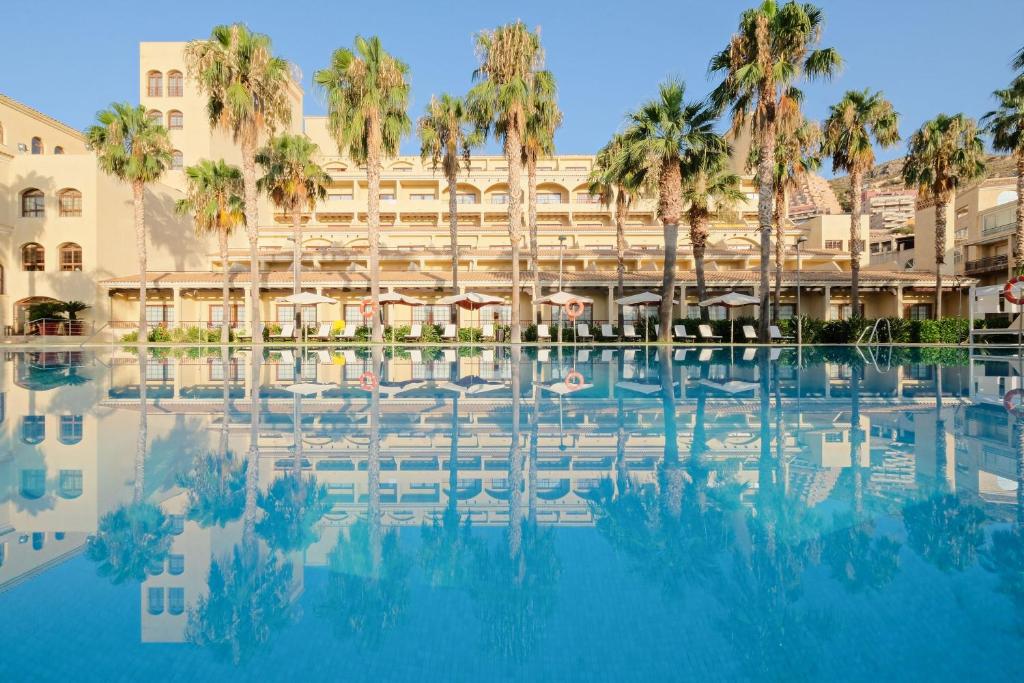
(613, 315)
(176, 294)
(682, 301)
(828, 302)
(247, 307)
(899, 301)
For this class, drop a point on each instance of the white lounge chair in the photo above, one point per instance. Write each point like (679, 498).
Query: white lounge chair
(349, 333)
(543, 333)
(749, 334)
(488, 333)
(415, 332)
(705, 355)
(543, 355)
(242, 334)
(774, 334)
(450, 355)
(583, 332)
(487, 356)
(679, 332)
(416, 356)
(607, 331)
(706, 335)
(451, 333)
(749, 353)
(323, 356)
(583, 356)
(679, 355)
(287, 357)
(608, 355)
(287, 332)
(323, 332)
(629, 332)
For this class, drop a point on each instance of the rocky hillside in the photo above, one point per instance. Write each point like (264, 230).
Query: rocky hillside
(890, 174)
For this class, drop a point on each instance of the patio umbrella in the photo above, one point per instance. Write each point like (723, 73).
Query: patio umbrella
(389, 298)
(731, 300)
(733, 386)
(470, 385)
(305, 299)
(642, 299)
(563, 389)
(308, 388)
(561, 299)
(470, 301)
(642, 388)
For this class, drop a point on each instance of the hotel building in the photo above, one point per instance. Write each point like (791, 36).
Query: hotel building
(66, 233)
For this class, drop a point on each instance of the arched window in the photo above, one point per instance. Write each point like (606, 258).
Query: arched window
(155, 600)
(32, 203)
(155, 115)
(70, 429)
(33, 429)
(175, 84)
(58, 150)
(33, 484)
(33, 257)
(37, 145)
(70, 484)
(70, 203)
(38, 540)
(154, 84)
(175, 120)
(177, 161)
(70, 257)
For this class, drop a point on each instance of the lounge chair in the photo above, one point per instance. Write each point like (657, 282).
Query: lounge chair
(629, 332)
(583, 332)
(323, 333)
(705, 355)
(287, 332)
(488, 333)
(679, 332)
(583, 356)
(608, 332)
(323, 356)
(416, 356)
(706, 335)
(487, 356)
(544, 355)
(608, 355)
(287, 357)
(451, 333)
(450, 355)
(773, 354)
(749, 334)
(629, 355)
(543, 333)
(749, 353)
(775, 335)
(349, 333)
(679, 355)
(241, 334)
(415, 332)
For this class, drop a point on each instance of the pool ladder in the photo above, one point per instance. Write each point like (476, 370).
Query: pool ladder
(875, 337)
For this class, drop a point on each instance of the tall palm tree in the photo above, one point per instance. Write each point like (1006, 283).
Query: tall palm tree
(942, 155)
(136, 150)
(796, 148)
(772, 49)
(858, 122)
(249, 94)
(447, 141)
(708, 185)
(542, 120)
(367, 101)
(213, 199)
(510, 57)
(658, 137)
(295, 183)
(616, 183)
(1006, 126)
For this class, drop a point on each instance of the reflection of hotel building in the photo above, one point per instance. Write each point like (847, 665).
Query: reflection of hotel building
(64, 226)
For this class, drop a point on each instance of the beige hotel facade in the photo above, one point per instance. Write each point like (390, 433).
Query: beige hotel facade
(66, 233)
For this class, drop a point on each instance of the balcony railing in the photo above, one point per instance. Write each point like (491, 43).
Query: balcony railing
(986, 265)
(996, 229)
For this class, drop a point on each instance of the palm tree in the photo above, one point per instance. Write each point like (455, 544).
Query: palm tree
(942, 155)
(708, 185)
(858, 122)
(542, 120)
(367, 100)
(510, 57)
(659, 136)
(1006, 126)
(295, 183)
(136, 150)
(249, 94)
(773, 47)
(446, 141)
(615, 183)
(213, 199)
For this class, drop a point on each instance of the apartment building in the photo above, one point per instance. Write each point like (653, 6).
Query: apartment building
(890, 208)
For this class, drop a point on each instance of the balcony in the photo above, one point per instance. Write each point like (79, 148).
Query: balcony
(996, 229)
(986, 265)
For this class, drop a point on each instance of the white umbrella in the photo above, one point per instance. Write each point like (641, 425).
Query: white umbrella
(308, 388)
(731, 300)
(470, 385)
(562, 298)
(392, 389)
(642, 388)
(399, 298)
(471, 301)
(306, 299)
(642, 299)
(563, 389)
(733, 386)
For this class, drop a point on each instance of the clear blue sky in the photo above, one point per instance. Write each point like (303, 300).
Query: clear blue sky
(70, 59)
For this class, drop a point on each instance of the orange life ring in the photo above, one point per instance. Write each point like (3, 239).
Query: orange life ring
(1008, 290)
(367, 308)
(574, 309)
(368, 381)
(1018, 410)
(574, 379)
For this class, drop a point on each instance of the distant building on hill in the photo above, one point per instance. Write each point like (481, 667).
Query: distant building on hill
(889, 208)
(812, 197)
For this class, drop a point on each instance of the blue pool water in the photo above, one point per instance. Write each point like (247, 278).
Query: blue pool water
(618, 513)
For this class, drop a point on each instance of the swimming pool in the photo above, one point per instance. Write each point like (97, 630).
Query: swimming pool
(468, 514)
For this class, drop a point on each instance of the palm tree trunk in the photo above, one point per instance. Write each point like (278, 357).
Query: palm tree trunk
(225, 294)
(253, 459)
(671, 467)
(139, 203)
(940, 252)
(373, 166)
(515, 463)
(1018, 236)
(766, 193)
(856, 188)
(453, 235)
(531, 180)
(373, 511)
(621, 212)
(297, 266)
(139, 488)
(225, 424)
(856, 439)
(670, 208)
(779, 215)
(514, 157)
(252, 230)
(699, 242)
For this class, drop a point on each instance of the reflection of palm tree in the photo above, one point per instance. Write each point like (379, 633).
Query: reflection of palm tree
(945, 531)
(672, 474)
(293, 507)
(132, 537)
(216, 488)
(515, 465)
